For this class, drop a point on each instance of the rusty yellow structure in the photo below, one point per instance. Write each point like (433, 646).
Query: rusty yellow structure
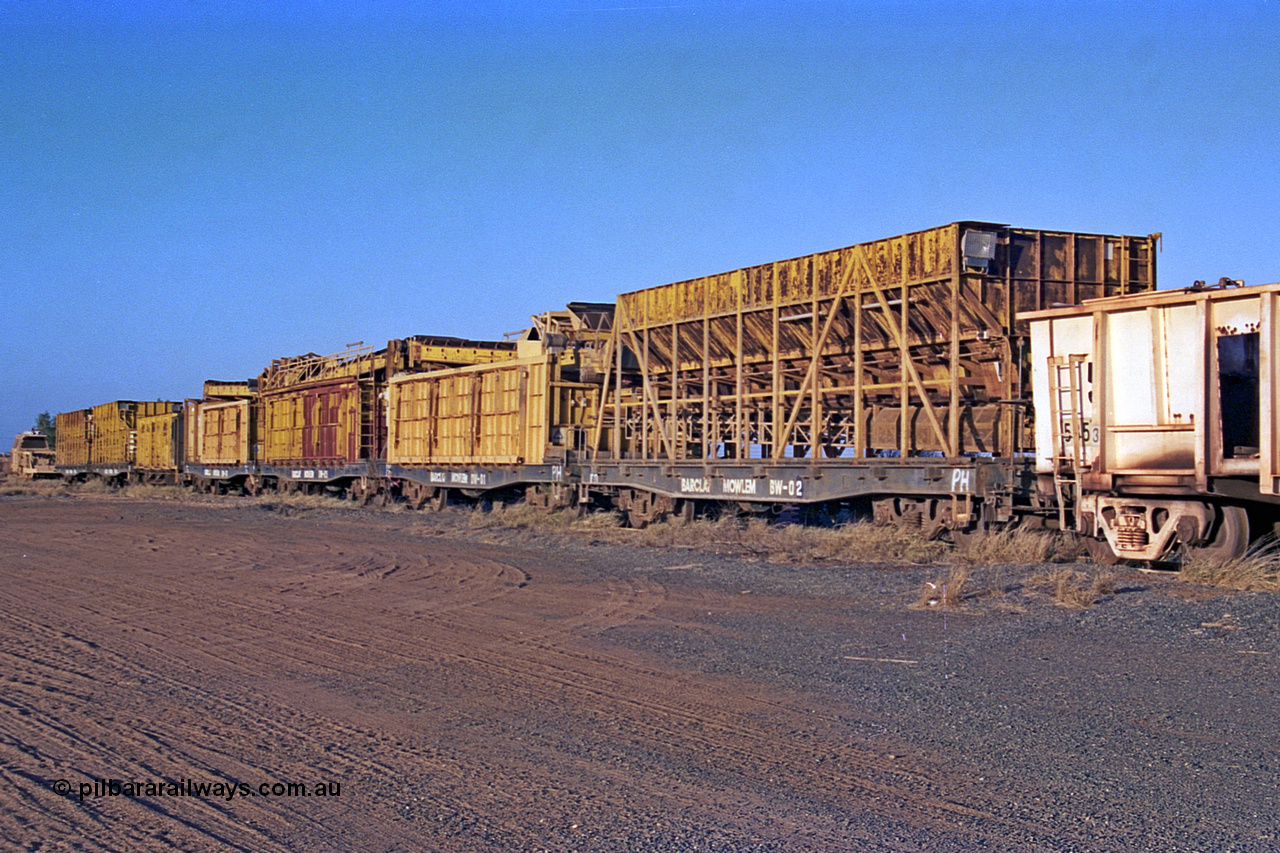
(894, 347)
(106, 439)
(221, 432)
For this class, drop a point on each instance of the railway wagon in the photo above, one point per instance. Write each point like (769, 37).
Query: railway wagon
(322, 411)
(318, 423)
(103, 440)
(1159, 428)
(513, 424)
(897, 370)
(221, 437)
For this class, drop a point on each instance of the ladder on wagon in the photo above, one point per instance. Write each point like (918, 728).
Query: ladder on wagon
(1066, 416)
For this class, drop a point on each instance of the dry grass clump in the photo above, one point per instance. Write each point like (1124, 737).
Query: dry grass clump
(39, 488)
(523, 516)
(1073, 588)
(1257, 571)
(1021, 546)
(147, 492)
(294, 503)
(861, 542)
(944, 593)
(520, 516)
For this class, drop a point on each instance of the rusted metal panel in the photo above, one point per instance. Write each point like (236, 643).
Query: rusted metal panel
(332, 409)
(485, 415)
(329, 422)
(113, 436)
(804, 357)
(215, 389)
(327, 409)
(113, 429)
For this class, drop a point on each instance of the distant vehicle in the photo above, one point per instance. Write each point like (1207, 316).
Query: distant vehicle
(32, 458)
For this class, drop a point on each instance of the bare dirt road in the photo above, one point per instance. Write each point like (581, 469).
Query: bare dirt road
(175, 667)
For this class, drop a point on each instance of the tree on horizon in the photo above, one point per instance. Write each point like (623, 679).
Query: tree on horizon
(47, 426)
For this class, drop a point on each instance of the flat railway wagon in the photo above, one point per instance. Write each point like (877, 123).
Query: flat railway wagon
(513, 424)
(221, 437)
(1159, 427)
(314, 423)
(104, 441)
(895, 372)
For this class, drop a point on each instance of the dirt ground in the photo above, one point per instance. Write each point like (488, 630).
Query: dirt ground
(457, 692)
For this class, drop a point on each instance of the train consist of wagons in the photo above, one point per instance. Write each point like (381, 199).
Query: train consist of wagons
(911, 378)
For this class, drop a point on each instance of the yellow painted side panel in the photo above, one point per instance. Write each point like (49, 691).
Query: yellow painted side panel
(284, 419)
(158, 441)
(114, 440)
(493, 415)
(220, 433)
(73, 437)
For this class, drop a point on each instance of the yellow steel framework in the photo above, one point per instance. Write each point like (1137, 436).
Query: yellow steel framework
(897, 346)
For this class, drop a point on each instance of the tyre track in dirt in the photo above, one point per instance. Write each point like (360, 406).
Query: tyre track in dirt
(463, 702)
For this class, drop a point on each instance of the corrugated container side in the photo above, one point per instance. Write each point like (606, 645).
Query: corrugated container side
(73, 437)
(159, 441)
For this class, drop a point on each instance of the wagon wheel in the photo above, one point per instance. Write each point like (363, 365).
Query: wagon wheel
(252, 485)
(645, 508)
(686, 510)
(549, 497)
(537, 497)
(1230, 540)
(1100, 552)
(416, 494)
(967, 538)
(363, 491)
(439, 500)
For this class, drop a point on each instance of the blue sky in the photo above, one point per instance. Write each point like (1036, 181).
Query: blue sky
(188, 190)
